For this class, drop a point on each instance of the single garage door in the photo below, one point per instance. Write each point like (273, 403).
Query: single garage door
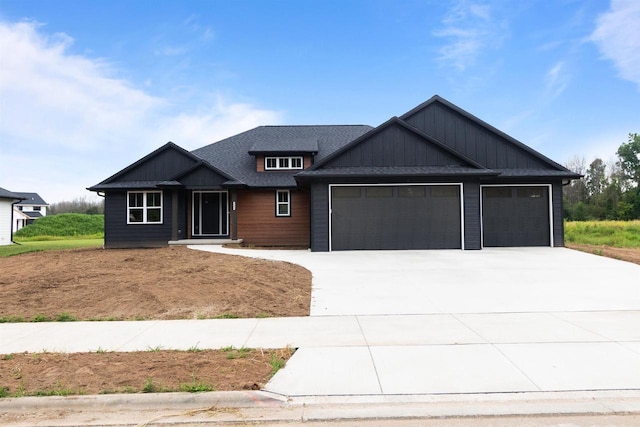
(395, 217)
(515, 216)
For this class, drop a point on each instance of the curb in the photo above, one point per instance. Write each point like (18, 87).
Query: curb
(258, 406)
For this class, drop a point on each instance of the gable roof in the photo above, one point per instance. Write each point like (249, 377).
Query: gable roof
(6, 194)
(453, 131)
(395, 121)
(544, 161)
(31, 199)
(142, 173)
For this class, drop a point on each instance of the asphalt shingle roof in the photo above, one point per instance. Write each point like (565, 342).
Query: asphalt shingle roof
(231, 155)
(31, 199)
(6, 194)
(392, 171)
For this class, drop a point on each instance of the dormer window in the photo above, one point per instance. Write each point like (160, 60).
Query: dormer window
(282, 163)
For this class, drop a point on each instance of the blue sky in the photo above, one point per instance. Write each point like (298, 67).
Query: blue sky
(88, 87)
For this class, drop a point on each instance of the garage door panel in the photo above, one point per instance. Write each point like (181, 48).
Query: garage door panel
(515, 216)
(395, 217)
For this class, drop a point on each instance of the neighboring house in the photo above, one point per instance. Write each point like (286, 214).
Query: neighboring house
(7, 201)
(29, 209)
(435, 177)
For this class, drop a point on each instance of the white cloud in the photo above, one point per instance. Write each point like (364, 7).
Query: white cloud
(469, 29)
(556, 79)
(68, 122)
(618, 38)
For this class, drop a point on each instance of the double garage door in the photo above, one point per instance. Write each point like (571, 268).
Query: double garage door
(429, 217)
(396, 217)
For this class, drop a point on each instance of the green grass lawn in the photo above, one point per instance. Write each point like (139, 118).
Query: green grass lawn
(49, 245)
(620, 234)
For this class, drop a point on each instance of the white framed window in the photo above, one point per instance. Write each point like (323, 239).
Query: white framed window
(283, 163)
(144, 207)
(283, 203)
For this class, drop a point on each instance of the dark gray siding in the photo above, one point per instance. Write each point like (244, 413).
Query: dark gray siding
(472, 235)
(163, 166)
(319, 217)
(558, 222)
(119, 234)
(204, 178)
(472, 140)
(394, 146)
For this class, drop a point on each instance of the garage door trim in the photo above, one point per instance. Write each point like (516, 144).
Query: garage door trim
(549, 208)
(415, 184)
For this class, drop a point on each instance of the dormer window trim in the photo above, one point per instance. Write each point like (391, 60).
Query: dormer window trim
(283, 163)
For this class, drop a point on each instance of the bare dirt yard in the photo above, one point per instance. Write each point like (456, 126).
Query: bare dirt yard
(130, 284)
(163, 283)
(47, 374)
(623, 254)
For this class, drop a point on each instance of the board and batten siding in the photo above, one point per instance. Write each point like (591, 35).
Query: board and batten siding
(6, 209)
(473, 140)
(119, 234)
(472, 234)
(394, 146)
(558, 220)
(319, 217)
(257, 223)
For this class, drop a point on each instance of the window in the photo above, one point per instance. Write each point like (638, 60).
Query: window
(412, 192)
(144, 207)
(346, 192)
(271, 163)
(283, 203)
(498, 192)
(37, 208)
(530, 192)
(282, 163)
(379, 192)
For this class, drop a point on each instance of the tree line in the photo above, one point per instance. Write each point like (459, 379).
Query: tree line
(608, 190)
(78, 205)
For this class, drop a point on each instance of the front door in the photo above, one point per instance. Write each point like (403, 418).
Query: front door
(210, 213)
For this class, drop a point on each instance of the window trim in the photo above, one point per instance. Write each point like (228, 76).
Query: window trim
(287, 203)
(289, 161)
(144, 207)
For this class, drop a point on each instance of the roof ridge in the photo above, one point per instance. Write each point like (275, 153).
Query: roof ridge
(291, 126)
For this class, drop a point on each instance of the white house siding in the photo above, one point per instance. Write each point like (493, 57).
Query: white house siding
(5, 222)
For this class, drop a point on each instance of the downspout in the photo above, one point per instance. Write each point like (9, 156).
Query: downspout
(11, 231)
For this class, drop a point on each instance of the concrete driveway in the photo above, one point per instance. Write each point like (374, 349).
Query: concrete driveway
(496, 320)
(504, 280)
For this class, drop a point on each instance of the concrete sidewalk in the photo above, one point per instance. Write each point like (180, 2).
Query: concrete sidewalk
(416, 322)
(387, 355)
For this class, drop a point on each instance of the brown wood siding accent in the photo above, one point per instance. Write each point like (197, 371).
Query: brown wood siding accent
(258, 224)
(260, 163)
(307, 162)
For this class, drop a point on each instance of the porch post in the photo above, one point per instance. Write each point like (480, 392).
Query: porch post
(174, 215)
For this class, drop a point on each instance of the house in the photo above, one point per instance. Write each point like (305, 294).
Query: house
(435, 177)
(28, 210)
(7, 201)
